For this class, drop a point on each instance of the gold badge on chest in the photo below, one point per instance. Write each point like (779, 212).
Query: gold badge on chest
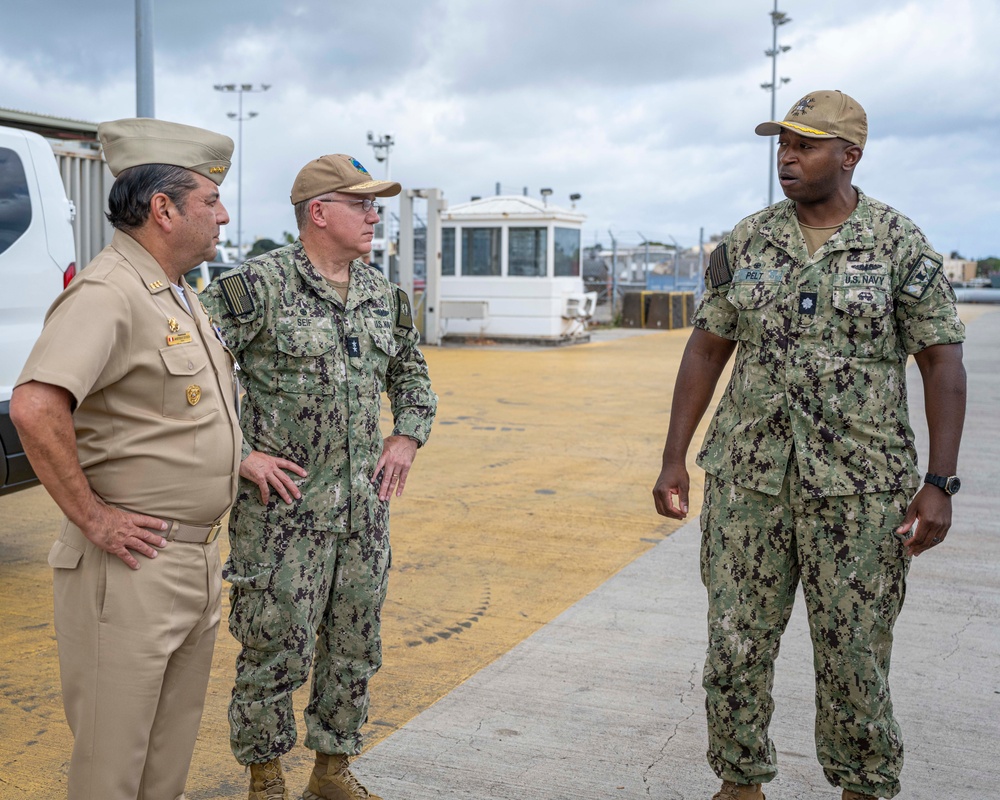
(193, 394)
(173, 324)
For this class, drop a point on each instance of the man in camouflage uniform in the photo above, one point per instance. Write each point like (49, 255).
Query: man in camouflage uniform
(318, 336)
(810, 461)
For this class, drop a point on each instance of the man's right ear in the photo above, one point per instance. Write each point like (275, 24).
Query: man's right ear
(316, 213)
(162, 211)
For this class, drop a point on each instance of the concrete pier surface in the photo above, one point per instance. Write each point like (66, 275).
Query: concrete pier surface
(606, 700)
(545, 630)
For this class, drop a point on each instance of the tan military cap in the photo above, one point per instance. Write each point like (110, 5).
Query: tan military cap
(823, 115)
(133, 142)
(338, 173)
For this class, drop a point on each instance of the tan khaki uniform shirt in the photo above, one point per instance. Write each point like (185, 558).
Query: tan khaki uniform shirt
(155, 421)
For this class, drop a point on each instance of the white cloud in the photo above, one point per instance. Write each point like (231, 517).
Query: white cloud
(646, 108)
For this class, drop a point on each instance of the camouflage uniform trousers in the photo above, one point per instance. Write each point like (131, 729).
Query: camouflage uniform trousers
(755, 550)
(301, 598)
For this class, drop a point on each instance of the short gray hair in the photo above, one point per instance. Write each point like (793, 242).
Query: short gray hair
(302, 209)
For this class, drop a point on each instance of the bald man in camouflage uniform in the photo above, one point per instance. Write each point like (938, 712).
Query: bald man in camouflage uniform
(319, 336)
(812, 472)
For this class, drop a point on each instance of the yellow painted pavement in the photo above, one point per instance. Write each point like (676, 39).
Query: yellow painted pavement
(533, 490)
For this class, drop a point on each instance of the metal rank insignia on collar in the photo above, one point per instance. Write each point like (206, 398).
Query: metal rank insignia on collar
(193, 394)
(173, 324)
(156, 284)
(178, 338)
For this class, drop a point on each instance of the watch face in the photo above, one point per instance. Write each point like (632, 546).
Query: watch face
(953, 485)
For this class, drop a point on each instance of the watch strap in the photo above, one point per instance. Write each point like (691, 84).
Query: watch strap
(949, 485)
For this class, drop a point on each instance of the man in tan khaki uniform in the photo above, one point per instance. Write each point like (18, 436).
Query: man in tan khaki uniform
(126, 408)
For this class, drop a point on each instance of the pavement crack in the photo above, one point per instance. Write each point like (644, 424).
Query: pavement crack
(956, 638)
(682, 696)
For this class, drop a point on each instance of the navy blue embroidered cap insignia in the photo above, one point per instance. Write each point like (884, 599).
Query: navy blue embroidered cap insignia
(802, 106)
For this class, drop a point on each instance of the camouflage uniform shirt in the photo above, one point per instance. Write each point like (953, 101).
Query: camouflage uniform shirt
(822, 343)
(314, 370)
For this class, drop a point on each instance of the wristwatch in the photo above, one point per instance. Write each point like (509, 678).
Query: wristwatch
(949, 485)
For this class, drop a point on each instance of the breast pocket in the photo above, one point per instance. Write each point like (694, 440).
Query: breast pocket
(864, 320)
(189, 386)
(753, 300)
(376, 346)
(306, 358)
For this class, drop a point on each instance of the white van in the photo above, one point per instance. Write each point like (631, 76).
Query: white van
(36, 263)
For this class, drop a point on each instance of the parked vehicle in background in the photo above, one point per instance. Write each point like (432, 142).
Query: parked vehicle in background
(206, 272)
(36, 263)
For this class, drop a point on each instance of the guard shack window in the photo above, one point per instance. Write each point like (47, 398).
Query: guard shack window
(526, 248)
(567, 252)
(447, 251)
(480, 251)
(15, 203)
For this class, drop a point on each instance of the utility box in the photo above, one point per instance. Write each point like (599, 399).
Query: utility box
(632, 309)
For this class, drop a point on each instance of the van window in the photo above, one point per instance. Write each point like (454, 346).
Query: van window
(15, 204)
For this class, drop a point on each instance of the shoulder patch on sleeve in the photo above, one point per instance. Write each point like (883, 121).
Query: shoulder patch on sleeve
(236, 293)
(719, 273)
(921, 275)
(404, 314)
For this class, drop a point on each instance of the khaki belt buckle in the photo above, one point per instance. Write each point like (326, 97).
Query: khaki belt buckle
(213, 533)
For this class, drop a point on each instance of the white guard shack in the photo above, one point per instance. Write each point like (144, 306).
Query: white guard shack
(511, 269)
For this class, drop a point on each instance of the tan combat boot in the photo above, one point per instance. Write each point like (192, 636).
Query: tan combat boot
(849, 795)
(332, 780)
(267, 781)
(739, 791)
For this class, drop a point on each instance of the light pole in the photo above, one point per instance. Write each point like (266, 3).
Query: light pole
(144, 81)
(677, 248)
(240, 89)
(382, 147)
(777, 18)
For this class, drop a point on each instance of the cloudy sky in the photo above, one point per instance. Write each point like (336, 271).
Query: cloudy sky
(644, 107)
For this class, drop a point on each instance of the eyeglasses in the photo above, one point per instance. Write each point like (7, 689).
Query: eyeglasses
(366, 204)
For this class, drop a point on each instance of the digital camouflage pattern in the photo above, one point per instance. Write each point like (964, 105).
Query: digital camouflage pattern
(314, 371)
(755, 549)
(304, 598)
(820, 368)
(811, 465)
(309, 579)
